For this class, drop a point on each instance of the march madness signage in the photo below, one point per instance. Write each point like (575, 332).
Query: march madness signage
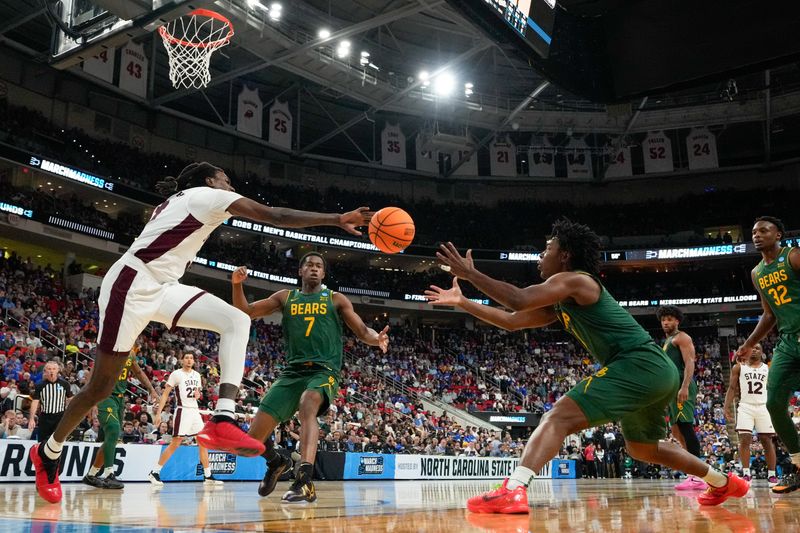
(438, 467)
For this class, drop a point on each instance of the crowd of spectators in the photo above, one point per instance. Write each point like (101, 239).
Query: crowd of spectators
(477, 226)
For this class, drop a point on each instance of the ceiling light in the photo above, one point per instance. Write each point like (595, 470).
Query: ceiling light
(423, 75)
(324, 33)
(444, 84)
(342, 52)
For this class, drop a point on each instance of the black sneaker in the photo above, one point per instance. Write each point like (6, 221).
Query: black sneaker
(155, 479)
(113, 483)
(274, 473)
(94, 481)
(789, 483)
(302, 490)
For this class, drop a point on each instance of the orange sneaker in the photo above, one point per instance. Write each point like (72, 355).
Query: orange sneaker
(501, 500)
(47, 483)
(221, 433)
(736, 488)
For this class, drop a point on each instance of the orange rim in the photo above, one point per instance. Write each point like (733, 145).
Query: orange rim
(164, 32)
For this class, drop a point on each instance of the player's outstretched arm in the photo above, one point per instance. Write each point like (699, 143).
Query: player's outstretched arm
(529, 318)
(293, 218)
(365, 334)
(733, 391)
(764, 326)
(259, 308)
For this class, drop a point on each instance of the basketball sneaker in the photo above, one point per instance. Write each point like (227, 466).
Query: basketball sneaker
(302, 490)
(221, 433)
(691, 483)
(94, 481)
(501, 500)
(772, 481)
(155, 479)
(211, 480)
(47, 483)
(274, 472)
(747, 477)
(735, 488)
(111, 482)
(788, 483)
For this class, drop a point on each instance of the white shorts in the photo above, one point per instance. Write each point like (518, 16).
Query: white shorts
(187, 422)
(130, 298)
(749, 417)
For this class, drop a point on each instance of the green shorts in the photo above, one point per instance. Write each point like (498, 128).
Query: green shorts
(635, 389)
(784, 370)
(683, 412)
(109, 413)
(283, 397)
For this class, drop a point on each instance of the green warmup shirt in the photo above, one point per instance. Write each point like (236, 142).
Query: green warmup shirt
(312, 330)
(780, 288)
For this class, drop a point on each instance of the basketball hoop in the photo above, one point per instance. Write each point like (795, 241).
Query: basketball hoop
(190, 40)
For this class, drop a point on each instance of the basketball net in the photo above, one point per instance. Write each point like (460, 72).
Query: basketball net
(190, 40)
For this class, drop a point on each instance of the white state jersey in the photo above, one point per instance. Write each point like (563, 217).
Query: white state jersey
(178, 228)
(185, 385)
(753, 384)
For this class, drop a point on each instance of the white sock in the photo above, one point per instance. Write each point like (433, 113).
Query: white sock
(157, 469)
(746, 471)
(795, 458)
(226, 407)
(521, 477)
(93, 471)
(715, 479)
(52, 448)
(207, 472)
(108, 471)
(771, 473)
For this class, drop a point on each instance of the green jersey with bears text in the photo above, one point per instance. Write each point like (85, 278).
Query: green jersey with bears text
(312, 330)
(122, 380)
(780, 288)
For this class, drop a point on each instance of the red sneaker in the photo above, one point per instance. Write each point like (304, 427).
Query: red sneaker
(47, 483)
(221, 433)
(736, 488)
(501, 500)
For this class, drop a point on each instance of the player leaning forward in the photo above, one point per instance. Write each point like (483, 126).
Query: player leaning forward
(142, 286)
(312, 331)
(634, 386)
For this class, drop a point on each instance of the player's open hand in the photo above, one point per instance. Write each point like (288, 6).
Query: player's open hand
(383, 339)
(439, 296)
(239, 275)
(353, 219)
(453, 262)
(683, 395)
(743, 352)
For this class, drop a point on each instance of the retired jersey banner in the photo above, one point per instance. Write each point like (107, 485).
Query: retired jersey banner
(280, 125)
(393, 146)
(701, 147)
(470, 165)
(102, 65)
(542, 160)
(133, 69)
(503, 158)
(427, 160)
(579, 159)
(657, 153)
(249, 112)
(618, 160)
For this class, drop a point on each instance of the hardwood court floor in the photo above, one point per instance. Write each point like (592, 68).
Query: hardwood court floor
(399, 506)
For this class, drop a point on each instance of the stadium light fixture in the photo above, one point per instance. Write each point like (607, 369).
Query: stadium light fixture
(444, 84)
(324, 33)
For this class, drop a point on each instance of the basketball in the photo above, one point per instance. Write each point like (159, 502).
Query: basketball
(391, 230)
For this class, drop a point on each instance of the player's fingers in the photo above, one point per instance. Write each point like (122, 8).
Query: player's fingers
(444, 259)
(384, 330)
(353, 230)
(453, 249)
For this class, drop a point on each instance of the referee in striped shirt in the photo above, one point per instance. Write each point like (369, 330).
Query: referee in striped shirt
(53, 393)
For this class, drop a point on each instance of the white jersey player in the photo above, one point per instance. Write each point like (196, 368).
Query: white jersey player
(142, 286)
(187, 422)
(749, 383)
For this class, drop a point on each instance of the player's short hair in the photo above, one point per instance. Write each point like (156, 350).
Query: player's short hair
(581, 242)
(669, 310)
(187, 353)
(313, 254)
(193, 175)
(773, 220)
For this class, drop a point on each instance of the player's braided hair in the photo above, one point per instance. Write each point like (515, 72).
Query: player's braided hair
(669, 310)
(778, 223)
(193, 175)
(581, 242)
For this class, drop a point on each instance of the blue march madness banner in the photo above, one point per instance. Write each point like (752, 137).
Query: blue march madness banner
(369, 466)
(184, 465)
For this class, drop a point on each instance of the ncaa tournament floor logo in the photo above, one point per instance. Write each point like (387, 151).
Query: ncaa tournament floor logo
(219, 463)
(370, 466)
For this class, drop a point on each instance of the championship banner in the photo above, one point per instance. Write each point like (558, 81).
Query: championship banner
(541, 160)
(427, 161)
(133, 69)
(439, 467)
(249, 112)
(102, 65)
(701, 147)
(579, 159)
(393, 146)
(618, 159)
(280, 125)
(470, 166)
(503, 158)
(657, 153)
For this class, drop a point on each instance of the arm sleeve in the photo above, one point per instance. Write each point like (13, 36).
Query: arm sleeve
(210, 206)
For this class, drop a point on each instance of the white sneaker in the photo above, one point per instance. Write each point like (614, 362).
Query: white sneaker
(155, 479)
(212, 481)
